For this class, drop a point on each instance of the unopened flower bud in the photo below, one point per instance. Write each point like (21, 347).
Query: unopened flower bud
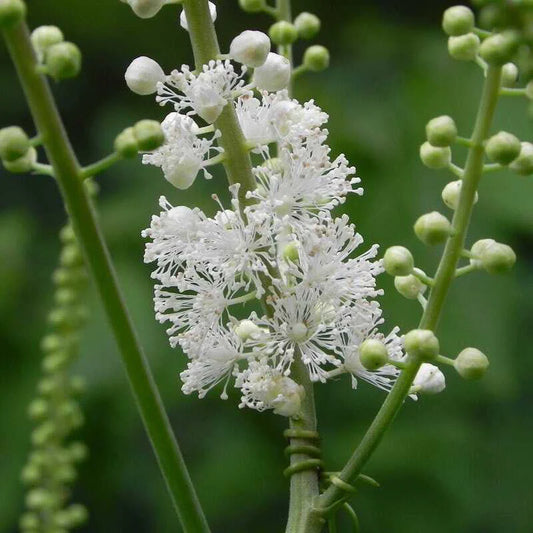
(40, 499)
(252, 6)
(38, 409)
(492, 256)
(433, 228)
(503, 148)
(63, 60)
(316, 58)
(143, 75)
(44, 37)
(398, 261)
(149, 135)
(126, 143)
(471, 364)
(422, 344)
(458, 20)
(373, 354)
(435, 156)
(274, 74)
(29, 522)
(509, 75)
(429, 380)
(451, 193)
(464, 47)
(283, 33)
(146, 8)
(11, 12)
(441, 131)
(409, 286)
(499, 48)
(247, 329)
(290, 252)
(250, 48)
(523, 164)
(55, 361)
(14, 143)
(77, 451)
(212, 11)
(22, 164)
(307, 25)
(77, 515)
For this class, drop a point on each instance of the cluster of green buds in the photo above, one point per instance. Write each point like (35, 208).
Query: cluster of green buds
(51, 466)
(17, 150)
(145, 136)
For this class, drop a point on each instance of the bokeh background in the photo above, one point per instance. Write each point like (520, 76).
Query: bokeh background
(457, 462)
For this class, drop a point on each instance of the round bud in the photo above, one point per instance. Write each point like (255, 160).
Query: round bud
(409, 286)
(29, 522)
(30, 475)
(503, 148)
(38, 409)
(274, 74)
(429, 380)
(183, 17)
(55, 362)
(250, 48)
(464, 47)
(43, 434)
(22, 164)
(492, 256)
(126, 144)
(373, 354)
(40, 499)
(149, 135)
(523, 164)
(509, 75)
(252, 6)
(44, 37)
(422, 344)
(458, 20)
(146, 8)
(63, 60)
(451, 193)
(247, 329)
(307, 25)
(290, 252)
(77, 514)
(11, 12)
(77, 451)
(283, 33)
(433, 228)
(143, 75)
(435, 156)
(398, 261)
(499, 48)
(441, 131)
(471, 364)
(14, 143)
(316, 58)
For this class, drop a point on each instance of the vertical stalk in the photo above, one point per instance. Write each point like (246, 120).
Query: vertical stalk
(69, 176)
(443, 279)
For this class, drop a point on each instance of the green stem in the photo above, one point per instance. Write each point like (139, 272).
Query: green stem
(100, 166)
(82, 214)
(443, 279)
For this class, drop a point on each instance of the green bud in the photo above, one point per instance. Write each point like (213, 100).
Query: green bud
(398, 261)
(38, 409)
(433, 228)
(422, 344)
(458, 20)
(471, 364)
(441, 131)
(14, 143)
(523, 164)
(492, 256)
(78, 514)
(503, 148)
(44, 37)
(40, 499)
(77, 384)
(409, 286)
(48, 386)
(29, 521)
(252, 6)
(51, 343)
(77, 451)
(63, 60)
(65, 473)
(434, 156)
(126, 144)
(307, 25)
(316, 58)
(373, 354)
(55, 362)
(70, 412)
(509, 75)
(451, 193)
(22, 164)
(11, 12)
(283, 33)
(149, 135)
(43, 434)
(30, 475)
(65, 296)
(71, 256)
(499, 48)
(66, 235)
(464, 47)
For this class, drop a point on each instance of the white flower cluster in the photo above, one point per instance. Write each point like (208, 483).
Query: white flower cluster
(251, 290)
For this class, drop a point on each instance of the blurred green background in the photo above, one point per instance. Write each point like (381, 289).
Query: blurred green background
(457, 462)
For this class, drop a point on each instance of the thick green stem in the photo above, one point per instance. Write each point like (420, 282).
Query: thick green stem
(443, 279)
(69, 177)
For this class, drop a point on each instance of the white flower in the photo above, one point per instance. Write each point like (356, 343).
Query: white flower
(212, 12)
(250, 48)
(143, 75)
(274, 74)
(184, 154)
(145, 8)
(429, 380)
